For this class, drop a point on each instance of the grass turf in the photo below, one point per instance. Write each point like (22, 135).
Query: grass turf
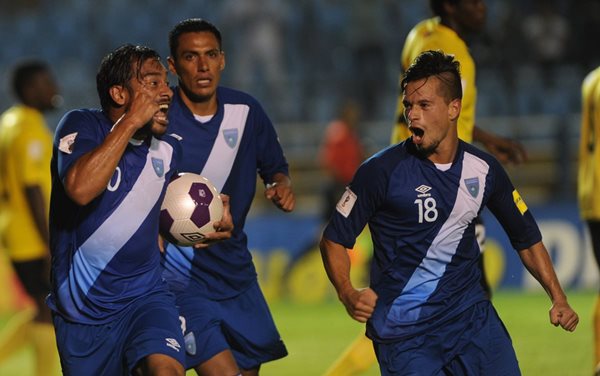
(316, 334)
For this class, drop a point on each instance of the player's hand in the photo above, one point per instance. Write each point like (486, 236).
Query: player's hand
(562, 314)
(281, 195)
(223, 228)
(506, 150)
(360, 304)
(143, 107)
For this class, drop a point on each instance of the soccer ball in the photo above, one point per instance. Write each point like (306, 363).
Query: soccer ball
(190, 207)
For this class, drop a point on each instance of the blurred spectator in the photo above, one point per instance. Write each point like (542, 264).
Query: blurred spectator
(259, 28)
(547, 31)
(25, 153)
(366, 35)
(341, 153)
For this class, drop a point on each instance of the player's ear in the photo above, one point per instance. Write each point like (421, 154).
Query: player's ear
(454, 109)
(119, 94)
(222, 64)
(171, 63)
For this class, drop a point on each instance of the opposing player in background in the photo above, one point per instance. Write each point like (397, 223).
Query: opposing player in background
(426, 310)
(25, 152)
(228, 138)
(588, 178)
(113, 312)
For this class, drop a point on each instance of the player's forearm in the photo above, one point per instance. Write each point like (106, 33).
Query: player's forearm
(537, 261)
(38, 209)
(337, 266)
(89, 176)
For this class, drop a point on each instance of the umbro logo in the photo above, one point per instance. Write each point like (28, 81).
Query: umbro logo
(172, 343)
(423, 188)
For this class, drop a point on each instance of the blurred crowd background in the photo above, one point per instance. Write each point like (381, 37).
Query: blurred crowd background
(304, 58)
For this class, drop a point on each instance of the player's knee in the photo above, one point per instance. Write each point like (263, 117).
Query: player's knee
(159, 365)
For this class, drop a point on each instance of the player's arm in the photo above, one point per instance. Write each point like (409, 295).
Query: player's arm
(538, 263)
(90, 174)
(359, 303)
(38, 208)
(280, 192)
(504, 149)
(223, 228)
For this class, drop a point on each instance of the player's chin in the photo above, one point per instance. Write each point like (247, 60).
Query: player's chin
(159, 127)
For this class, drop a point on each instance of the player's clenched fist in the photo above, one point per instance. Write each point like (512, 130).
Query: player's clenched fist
(562, 314)
(360, 304)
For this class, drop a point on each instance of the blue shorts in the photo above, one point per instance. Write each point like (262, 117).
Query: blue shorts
(242, 324)
(149, 326)
(475, 343)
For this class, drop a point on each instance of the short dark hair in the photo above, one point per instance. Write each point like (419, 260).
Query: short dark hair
(23, 74)
(437, 6)
(438, 64)
(191, 25)
(116, 68)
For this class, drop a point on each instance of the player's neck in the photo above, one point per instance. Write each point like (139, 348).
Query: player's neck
(200, 108)
(454, 26)
(445, 152)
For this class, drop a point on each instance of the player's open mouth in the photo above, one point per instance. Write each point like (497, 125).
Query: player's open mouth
(161, 114)
(203, 81)
(417, 134)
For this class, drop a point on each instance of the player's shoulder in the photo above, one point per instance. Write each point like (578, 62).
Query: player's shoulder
(592, 78)
(390, 157)
(483, 155)
(234, 96)
(78, 119)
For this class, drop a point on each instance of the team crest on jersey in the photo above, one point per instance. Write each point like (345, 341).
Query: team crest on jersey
(346, 203)
(190, 343)
(231, 137)
(159, 167)
(472, 186)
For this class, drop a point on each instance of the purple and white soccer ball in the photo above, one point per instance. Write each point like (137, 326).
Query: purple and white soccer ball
(190, 207)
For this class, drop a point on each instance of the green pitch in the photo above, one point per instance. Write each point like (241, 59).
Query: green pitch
(316, 334)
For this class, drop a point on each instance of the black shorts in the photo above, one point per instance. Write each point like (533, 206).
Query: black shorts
(34, 276)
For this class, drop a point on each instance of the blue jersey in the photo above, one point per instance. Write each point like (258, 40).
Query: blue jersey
(421, 221)
(230, 149)
(105, 254)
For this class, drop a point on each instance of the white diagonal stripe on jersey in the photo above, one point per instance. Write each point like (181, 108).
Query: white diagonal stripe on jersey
(407, 307)
(221, 158)
(96, 252)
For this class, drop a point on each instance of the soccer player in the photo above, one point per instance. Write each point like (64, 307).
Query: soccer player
(453, 22)
(25, 152)
(588, 178)
(425, 309)
(113, 312)
(228, 138)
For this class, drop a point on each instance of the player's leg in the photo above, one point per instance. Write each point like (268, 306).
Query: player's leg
(594, 228)
(222, 363)
(154, 343)
(410, 357)
(358, 357)
(207, 350)
(36, 282)
(250, 330)
(484, 347)
(158, 365)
